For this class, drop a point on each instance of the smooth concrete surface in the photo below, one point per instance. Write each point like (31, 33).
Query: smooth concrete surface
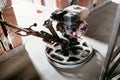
(98, 34)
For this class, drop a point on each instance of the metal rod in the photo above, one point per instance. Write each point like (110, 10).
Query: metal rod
(111, 46)
(13, 26)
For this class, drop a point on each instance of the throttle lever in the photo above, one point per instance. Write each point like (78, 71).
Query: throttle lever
(34, 25)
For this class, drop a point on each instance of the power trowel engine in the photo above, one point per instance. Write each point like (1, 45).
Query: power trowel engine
(71, 20)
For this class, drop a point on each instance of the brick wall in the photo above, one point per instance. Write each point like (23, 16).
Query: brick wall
(87, 3)
(13, 39)
(8, 15)
(62, 3)
(2, 48)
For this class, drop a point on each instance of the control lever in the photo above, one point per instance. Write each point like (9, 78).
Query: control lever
(29, 31)
(48, 24)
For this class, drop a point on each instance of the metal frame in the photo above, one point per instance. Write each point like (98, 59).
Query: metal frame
(111, 46)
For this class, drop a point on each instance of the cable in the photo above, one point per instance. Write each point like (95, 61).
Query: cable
(113, 67)
(117, 51)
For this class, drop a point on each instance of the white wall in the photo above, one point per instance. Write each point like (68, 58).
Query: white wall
(50, 4)
(37, 2)
(2, 3)
(116, 1)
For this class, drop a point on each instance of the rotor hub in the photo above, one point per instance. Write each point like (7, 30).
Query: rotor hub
(78, 54)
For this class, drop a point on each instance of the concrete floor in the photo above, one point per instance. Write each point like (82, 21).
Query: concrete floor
(18, 66)
(33, 58)
(101, 22)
